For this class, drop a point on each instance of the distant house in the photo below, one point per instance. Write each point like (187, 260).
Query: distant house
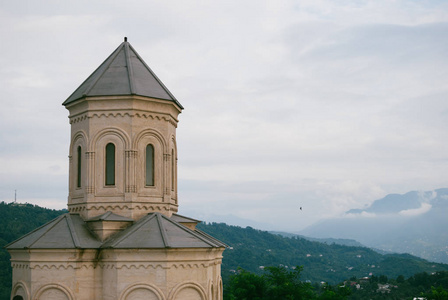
(383, 288)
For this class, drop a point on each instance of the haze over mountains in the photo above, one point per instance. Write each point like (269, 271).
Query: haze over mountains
(415, 223)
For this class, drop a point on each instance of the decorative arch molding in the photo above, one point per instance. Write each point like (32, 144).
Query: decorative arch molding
(57, 286)
(173, 141)
(173, 152)
(150, 132)
(143, 286)
(114, 131)
(98, 145)
(185, 285)
(20, 285)
(79, 138)
(211, 290)
(159, 145)
(220, 289)
(78, 163)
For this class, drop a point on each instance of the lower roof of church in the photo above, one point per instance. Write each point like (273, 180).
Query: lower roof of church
(153, 231)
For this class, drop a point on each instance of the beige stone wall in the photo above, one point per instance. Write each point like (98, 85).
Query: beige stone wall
(54, 274)
(130, 123)
(168, 274)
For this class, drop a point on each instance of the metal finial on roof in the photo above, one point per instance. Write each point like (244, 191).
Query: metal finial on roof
(125, 39)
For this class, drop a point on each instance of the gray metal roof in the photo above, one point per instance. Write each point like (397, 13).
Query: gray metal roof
(123, 73)
(152, 231)
(158, 231)
(65, 232)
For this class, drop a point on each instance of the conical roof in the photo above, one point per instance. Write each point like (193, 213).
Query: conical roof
(123, 73)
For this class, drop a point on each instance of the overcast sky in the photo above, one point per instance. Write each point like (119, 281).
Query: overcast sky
(321, 104)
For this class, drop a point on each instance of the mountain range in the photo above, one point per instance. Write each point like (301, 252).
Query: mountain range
(414, 223)
(329, 260)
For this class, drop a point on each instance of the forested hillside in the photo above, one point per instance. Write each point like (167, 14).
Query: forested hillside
(249, 249)
(15, 221)
(253, 249)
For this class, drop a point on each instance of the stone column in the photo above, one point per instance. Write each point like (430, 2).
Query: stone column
(131, 186)
(167, 177)
(90, 188)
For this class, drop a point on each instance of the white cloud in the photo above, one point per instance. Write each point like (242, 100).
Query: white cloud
(333, 104)
(361, 215)
(424, 208)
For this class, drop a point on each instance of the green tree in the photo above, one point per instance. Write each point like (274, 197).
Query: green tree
(331, 293)
(438, 293)
(285, 284)
(277, 283)
(245, 286)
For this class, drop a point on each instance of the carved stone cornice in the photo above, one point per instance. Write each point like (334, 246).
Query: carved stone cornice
(20, 265)
(115, 265)
(61, 266)
(118, 207)
(152, 116)
(154, 265)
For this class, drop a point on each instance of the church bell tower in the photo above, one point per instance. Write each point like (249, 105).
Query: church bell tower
(123, 154)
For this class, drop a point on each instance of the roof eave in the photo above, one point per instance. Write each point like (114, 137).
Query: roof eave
(68, 104)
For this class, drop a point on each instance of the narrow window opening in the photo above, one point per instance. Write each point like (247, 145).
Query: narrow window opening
(149, 165)
(110, 164)
(173, 169)
(79, 174)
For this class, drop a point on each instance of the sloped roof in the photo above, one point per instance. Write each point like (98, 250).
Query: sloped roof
(158, 231)
(123, 73)
(65, 232)
(152, 231)
(183, 219)
(110, 216)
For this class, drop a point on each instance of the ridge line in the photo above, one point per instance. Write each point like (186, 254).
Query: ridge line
(162, 231)
(129, 68)
(73, 233)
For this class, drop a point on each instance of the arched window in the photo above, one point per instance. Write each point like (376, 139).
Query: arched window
(17, 298)
(149, 165)
(78, 175)
(110, 164)
(173, 169)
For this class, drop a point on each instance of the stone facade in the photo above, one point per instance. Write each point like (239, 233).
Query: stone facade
(131, 274)
(122, 238)
(130, 123)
